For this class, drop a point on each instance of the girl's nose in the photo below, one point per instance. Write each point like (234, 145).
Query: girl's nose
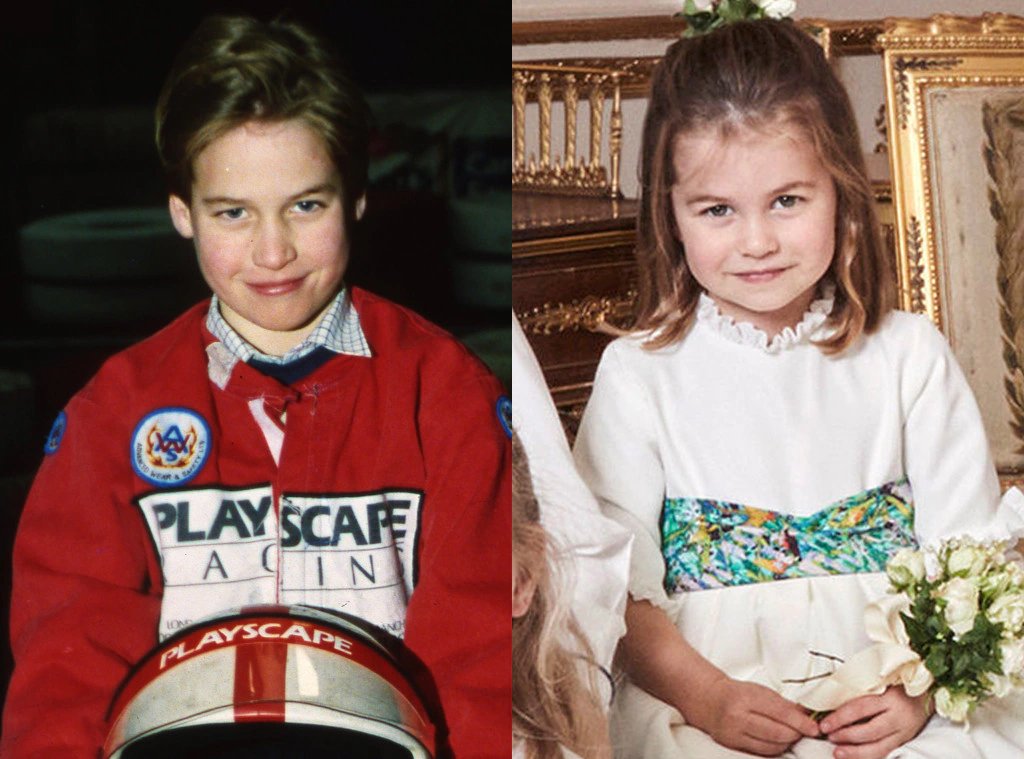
(758, 238)
(273, 248)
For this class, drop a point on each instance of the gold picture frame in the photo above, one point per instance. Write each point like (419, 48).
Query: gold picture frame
(955, 103)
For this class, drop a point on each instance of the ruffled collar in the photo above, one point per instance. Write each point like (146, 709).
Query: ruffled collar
(746, 333)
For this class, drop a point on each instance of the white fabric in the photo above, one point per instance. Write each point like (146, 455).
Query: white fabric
(726, 414)
(596, 546)
(889, 661)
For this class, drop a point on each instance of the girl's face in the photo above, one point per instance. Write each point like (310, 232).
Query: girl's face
(756, 214)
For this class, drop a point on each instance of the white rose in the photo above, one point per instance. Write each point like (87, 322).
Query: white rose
(952, 706)
(960, 599)
(994, 584)
(966, 560)
(777, 8)
(906, 568)
(1008, 610)
(1015, 572)
(998, 686)
(1011, 653)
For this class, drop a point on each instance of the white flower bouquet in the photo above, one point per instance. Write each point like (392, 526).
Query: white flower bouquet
(952, 626)
(704, 15)
(964, 619)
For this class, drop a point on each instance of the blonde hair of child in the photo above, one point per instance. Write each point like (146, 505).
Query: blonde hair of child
(553, 704)
(756, 75)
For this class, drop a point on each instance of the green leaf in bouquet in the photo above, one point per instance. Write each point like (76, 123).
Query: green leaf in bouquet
(962, 663)
(983, 643)
(936, 663)
(916, 632)
(936, 628)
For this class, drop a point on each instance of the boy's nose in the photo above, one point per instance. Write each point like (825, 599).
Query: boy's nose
(758, 238)
(273, 248)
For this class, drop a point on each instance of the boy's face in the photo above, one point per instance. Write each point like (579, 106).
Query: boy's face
(268, 220)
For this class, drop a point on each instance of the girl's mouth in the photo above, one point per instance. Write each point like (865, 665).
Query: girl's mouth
(761, 275)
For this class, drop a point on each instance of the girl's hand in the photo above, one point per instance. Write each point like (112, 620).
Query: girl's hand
(750, 717)
(870, 727)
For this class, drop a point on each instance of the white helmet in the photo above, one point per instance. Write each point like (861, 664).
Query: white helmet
(249, 677)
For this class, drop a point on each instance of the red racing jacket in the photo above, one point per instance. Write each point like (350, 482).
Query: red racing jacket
(179, 483)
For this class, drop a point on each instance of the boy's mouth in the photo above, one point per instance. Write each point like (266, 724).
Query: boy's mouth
(282, 287)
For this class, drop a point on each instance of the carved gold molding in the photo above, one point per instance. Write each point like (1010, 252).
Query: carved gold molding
(596, 29)
(842, 38)
(591, 313)
(634, 73)
(966, 63)
(920, 55)
(990, 31)
(903, 67)
(854, 37)
(546, 83)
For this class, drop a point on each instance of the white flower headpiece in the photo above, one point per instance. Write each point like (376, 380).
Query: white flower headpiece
(704, 15)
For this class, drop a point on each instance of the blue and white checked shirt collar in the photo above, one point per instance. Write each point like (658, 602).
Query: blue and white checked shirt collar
(338, 331)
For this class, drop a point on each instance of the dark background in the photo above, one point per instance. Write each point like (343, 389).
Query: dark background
(79, 83)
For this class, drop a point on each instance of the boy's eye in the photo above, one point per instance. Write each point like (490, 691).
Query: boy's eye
(786, 201)
(719, 209)
(231, 214)
(307, 206)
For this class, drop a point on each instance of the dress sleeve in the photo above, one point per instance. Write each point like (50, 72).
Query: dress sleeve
(595, 549)
(947, 455)
(82, 609)
(617, 455)
(458, 622)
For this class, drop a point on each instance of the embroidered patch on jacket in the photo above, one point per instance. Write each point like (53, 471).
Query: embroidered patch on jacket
(60, 425)
(504, 409)
(170, 446)
(715, 544)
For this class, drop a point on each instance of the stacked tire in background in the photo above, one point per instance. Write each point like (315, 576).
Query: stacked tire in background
(115, 267)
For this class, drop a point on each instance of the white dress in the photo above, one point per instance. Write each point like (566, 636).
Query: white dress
(727, 415)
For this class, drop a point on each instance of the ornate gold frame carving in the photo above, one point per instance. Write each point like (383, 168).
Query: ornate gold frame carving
(841, 38)
(591, 313)
(856, 37)
(918, 56)
(930, 65)
(634, 73)
(545, 83)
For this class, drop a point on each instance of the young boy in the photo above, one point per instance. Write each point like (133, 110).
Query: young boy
(290, 441)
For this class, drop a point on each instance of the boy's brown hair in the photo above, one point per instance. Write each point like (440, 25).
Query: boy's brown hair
(755, 75)
(236, 69)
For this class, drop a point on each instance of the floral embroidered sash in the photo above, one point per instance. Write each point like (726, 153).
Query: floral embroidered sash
(715, 544)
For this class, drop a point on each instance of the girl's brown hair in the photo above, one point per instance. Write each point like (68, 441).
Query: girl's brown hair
(553, 704)
(236, 69)
(751, 75)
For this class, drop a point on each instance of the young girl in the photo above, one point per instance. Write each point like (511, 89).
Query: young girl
(762, 429)
(555, 710)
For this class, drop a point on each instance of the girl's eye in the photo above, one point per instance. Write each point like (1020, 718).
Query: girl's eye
(786, 201)
(717, 210)
(308, 206)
